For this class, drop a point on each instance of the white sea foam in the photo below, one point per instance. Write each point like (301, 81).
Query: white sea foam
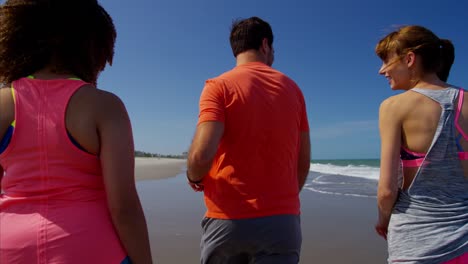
(361, 171)
(317, 184)
(338, 193)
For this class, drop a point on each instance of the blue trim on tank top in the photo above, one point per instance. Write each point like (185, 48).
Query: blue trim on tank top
(126, 261)
(6, 139)
(73, 140)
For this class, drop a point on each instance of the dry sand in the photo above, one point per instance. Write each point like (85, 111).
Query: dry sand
(157, 168)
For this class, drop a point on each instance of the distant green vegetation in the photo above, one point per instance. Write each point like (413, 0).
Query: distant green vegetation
(139, 153)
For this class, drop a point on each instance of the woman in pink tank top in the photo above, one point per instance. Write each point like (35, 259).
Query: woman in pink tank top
(66, 153)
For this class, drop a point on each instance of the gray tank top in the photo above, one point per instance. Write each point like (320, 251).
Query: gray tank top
(429, 222)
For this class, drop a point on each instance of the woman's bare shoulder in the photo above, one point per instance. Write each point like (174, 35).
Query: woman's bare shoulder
(97, 97)
(393, 101)
(398, 106)
(108, 100)
(97, 104)
(109, 105)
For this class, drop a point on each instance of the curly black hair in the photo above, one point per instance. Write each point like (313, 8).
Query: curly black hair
(70, 36)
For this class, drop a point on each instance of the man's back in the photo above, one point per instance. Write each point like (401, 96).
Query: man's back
(254, 172)
(250, 155)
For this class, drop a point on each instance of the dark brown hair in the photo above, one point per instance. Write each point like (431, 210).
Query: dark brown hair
(437, 55)
(248, 34)
(71, 36)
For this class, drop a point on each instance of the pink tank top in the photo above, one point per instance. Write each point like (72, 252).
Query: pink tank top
(53, 207)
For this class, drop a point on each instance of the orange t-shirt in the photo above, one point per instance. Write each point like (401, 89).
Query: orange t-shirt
(254, 172)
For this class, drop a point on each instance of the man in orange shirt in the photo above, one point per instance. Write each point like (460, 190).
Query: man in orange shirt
(251, 155)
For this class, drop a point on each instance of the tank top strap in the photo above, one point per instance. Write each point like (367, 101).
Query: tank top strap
(40, 107)
(442, 156)
(445, 97)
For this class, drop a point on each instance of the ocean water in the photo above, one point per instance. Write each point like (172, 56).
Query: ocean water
(355, 177)
(344, 177)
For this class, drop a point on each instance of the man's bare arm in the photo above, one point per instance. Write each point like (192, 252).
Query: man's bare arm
(203, 149)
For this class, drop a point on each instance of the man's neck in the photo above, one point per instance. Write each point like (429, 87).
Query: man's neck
(249, 56)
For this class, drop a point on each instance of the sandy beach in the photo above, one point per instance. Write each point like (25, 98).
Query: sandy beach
(157, 168)
(336, 229)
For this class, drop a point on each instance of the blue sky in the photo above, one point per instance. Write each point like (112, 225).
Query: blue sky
(166, 50)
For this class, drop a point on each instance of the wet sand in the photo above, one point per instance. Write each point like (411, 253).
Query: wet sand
(335, 229)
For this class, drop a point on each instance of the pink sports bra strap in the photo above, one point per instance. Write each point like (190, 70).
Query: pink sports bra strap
(412, 163)
(460, 101)
(463, 155)
(457, 115)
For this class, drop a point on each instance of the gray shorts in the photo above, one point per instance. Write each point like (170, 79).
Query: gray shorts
(273, 239)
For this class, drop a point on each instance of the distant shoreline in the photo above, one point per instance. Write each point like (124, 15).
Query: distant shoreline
(150, 168)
